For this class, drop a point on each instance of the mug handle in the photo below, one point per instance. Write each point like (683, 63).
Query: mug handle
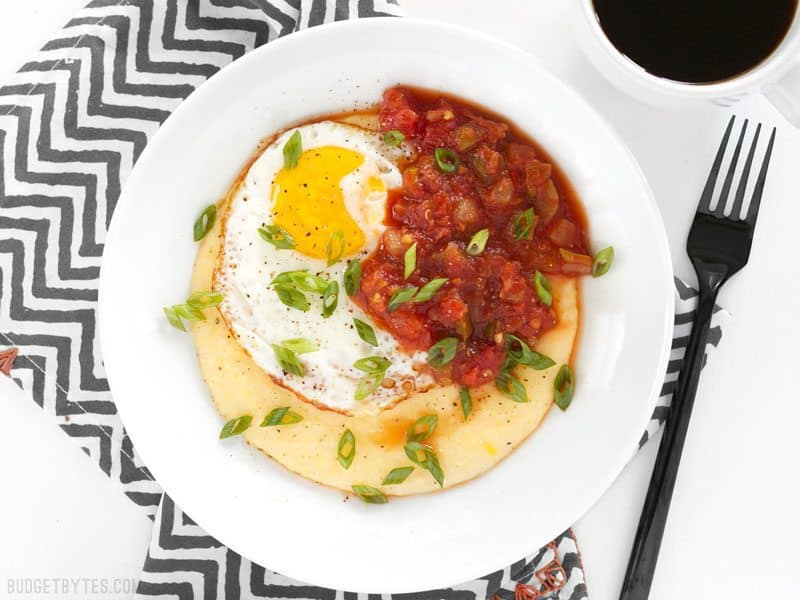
(785, 95)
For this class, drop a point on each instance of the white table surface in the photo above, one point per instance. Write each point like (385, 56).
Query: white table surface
(734, 522)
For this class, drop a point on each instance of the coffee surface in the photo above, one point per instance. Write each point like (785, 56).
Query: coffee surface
(696, 41)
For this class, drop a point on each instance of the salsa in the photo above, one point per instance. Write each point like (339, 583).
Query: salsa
(469, 172)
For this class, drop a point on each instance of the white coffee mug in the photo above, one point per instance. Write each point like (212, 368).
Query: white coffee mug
(777, 76)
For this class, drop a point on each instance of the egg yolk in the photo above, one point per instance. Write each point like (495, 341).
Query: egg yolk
(310, 205)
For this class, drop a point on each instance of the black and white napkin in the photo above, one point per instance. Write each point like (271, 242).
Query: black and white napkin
(73, 121)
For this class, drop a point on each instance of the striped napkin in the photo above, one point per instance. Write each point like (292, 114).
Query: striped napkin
(72, 124)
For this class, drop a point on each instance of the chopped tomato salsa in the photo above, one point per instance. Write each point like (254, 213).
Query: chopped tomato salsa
(499, 176)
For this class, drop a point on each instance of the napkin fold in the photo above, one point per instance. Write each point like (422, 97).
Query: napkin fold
(72, 123)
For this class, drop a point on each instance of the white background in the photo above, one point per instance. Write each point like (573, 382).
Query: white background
(734, 524)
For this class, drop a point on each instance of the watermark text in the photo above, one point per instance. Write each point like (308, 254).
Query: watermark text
(69, 586)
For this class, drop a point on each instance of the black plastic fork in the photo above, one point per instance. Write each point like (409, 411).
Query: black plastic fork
(719, 246)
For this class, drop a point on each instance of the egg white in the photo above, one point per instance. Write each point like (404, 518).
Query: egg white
(248, 263)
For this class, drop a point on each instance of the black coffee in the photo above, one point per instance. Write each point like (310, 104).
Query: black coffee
(696, 41)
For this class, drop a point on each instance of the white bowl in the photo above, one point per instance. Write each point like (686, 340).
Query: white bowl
(301, 529)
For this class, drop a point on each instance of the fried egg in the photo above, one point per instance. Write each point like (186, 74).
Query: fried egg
(336, 194)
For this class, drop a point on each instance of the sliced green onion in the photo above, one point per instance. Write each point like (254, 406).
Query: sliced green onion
(375, 368)
(190, 313)
(564, 386)
(330, 299)
(302, 280)
(192, 310)
(365, 332)
(421, 429)
(367, 385)
(523, 224)
(442, 352)
(393, 137)
(511, 386)
(400, 296)
(543, 288)
(397, 475)
(335, 247)
(372, 365)
(201, 300)
(173, 318)
(205, 222)
(478, 242)
(423, 456)
(410, 261)
(235, 426)
(446, 160)
(522, 354)
(602, 261)
(288, 360)
(428, 291)
(369, 494)
(346, 451)
(299, 345)
(352, 277)
(466, 402)
(292, 298)
(281, 416)
(277, 236)
(292, 150)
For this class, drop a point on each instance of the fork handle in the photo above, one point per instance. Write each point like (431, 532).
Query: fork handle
(644, 554)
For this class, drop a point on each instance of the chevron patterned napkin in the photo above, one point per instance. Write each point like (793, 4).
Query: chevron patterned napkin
(72, 124)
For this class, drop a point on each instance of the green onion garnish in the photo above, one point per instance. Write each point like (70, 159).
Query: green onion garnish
(173, 318)
(281, 416)
(428, 291)
(397, 475)
(466, 402)
(205, 222)
(564, 386)
(365, 332)
(299, 345)
(277, 236)
(193, 309)
(478, 242)
(393, 137)
(375, 369)
(190, 313)
(346, 450)
(511, 386)
(543, 288)
(423, 456)
(369, 494)
(367, 386)
(410, 261)
(446, 160)
(292, 297)
(235, 426)
(400, 296)
(442, 352)
(518, 350)
(421, 429)
(523, 224)
(330, 299)
(302, 280)
(335, 247)
(288, 360)
(292, 150)
(201, 300)
(372, 364)
(352, 277)
(602, 262)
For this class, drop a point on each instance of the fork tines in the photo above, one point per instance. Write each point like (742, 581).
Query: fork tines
(735, 212)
